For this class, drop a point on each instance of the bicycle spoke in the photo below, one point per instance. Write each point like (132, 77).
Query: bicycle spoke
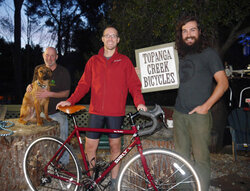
(138, 175)
(63, 174)
(169, 172)
(129, 185)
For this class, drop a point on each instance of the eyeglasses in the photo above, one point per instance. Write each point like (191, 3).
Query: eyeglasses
(110, 36)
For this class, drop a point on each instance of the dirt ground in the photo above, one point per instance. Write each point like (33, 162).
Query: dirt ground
(230, 175)
(227, 174)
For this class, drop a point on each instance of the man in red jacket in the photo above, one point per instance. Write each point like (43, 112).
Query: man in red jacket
(110, 76)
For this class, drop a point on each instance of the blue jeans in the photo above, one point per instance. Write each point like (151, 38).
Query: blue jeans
(192, 136)
(63, 122)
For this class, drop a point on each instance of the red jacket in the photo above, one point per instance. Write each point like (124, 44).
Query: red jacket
(109, 80)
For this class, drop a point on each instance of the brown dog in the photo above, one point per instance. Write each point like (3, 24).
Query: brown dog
(33, 106)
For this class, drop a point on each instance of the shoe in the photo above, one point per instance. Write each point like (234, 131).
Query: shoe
(112, 186)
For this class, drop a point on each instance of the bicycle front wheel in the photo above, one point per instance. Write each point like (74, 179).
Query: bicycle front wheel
(169, 170)
(42, 173)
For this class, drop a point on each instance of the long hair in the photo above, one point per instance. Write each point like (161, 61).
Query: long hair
(203, 39)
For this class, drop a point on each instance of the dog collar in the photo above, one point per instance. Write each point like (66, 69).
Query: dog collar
(41, 85)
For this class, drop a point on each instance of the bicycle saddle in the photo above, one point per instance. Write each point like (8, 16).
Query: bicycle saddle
(71, 109)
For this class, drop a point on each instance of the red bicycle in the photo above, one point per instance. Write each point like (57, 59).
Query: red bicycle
(150, 169)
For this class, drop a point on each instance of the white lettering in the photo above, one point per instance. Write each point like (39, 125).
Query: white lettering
(121, 156)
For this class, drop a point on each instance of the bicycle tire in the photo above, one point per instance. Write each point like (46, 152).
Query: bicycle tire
(38, 155)
(169, 170)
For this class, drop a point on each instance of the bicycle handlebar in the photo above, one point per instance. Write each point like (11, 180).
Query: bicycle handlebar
(152, 114)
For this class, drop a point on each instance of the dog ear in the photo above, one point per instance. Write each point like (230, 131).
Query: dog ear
(35, 73)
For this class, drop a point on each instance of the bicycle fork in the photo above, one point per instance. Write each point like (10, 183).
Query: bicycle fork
(145, 165)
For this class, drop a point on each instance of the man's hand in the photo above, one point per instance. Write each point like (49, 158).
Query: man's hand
(201, 109)
(142, 107)
(43, 94)
(63, 103)
(137, 70)
(29, 88)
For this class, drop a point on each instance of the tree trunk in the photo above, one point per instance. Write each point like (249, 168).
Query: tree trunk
(17, 50)
(13, 149)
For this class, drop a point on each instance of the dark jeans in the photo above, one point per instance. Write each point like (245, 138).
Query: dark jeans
(192, 136)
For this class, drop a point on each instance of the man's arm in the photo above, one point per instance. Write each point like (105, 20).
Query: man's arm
(135, 87)
(46, 93)
(221, 87)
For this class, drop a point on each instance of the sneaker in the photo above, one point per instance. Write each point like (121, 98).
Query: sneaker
(112, 186)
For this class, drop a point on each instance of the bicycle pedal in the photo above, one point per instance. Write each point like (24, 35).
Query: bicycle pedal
(45, 180)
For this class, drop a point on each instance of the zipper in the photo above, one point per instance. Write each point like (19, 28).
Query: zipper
(104, 85)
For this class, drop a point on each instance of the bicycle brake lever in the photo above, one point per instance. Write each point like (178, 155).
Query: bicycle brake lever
(164, 121)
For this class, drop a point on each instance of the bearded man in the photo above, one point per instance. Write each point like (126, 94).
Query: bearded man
(199, 65)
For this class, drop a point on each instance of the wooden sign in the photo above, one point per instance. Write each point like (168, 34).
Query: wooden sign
(158, 67)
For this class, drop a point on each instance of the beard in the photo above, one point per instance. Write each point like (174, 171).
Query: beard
(190, 49)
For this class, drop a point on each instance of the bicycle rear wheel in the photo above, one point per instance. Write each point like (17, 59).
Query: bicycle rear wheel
(169, 170)
(62, 173)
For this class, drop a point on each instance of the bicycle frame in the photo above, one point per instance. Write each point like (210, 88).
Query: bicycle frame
(136, 142)
(58, 167)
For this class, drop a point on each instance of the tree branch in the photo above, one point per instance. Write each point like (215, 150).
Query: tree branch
(233, 36)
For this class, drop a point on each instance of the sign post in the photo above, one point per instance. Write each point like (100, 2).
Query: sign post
(158, 67)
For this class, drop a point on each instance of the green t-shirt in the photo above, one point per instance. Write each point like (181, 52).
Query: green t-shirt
(196, 73)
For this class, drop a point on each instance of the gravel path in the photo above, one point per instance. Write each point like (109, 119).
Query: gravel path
(230, 175)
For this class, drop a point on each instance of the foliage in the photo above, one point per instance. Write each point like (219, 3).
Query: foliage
(7, 28)
(7, 68)
(78, 24)
(151, 22)
(86, 39)
(29, 57)
(141, 23)
(61, 16)
(64, 18)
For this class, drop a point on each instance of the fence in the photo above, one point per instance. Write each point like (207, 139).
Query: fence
(13, 111)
